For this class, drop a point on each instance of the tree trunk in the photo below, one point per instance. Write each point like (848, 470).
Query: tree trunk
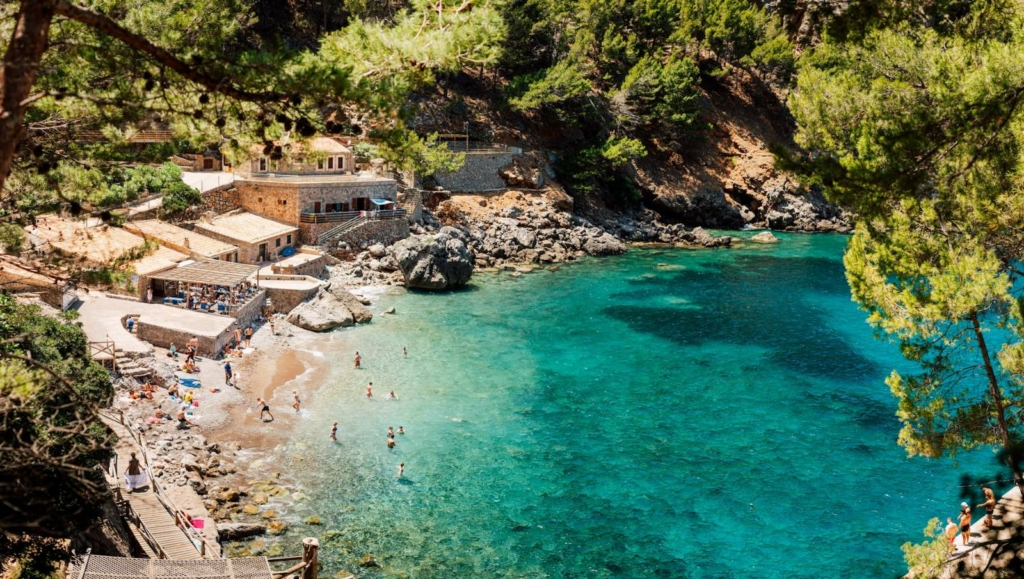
(21, 62)
(997, 400)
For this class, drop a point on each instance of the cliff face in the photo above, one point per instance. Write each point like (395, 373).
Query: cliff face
(726, 177)
(722, 177)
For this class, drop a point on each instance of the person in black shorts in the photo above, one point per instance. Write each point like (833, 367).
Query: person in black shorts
(264, 409)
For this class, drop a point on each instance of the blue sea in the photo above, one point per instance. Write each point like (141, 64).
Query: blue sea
(663, 414)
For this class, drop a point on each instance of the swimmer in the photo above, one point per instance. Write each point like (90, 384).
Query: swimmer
(391, 395)
(391, 443)
(401, 430)
(334, 431)
(405, 353)
(391, 432)
(357, 360)
(401, 469)
(297, 402)
(369, 390)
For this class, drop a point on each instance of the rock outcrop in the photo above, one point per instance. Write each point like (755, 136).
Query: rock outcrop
(765, 237)
(434, 262)
(238, 531)
(332, 307)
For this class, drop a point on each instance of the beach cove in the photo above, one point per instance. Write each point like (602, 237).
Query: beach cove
(667, 413)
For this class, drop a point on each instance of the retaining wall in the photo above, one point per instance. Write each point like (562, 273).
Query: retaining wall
(479, 173)
(385, 231)
(285, 300)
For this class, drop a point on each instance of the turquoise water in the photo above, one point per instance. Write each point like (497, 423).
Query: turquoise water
(664, 414)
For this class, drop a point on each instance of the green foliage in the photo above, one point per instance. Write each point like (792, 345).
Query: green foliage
(178, 196)
(550, 87)
(600, 168)
(916, 124)
(926, 560)
(657, 92)
(50, 436)
(12, 237)
(365, 149)
(408, 152)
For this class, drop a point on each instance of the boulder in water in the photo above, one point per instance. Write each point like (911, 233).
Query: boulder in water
(764, 237)
(237, 531)
(435, 262)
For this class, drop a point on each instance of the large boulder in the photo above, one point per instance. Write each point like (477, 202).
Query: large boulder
(435, 262)
(322, 313)
(604, 244)
(360, 313)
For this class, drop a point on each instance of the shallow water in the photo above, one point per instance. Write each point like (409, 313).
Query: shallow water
(664, 414)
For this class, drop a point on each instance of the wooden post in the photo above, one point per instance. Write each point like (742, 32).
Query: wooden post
(310, 546)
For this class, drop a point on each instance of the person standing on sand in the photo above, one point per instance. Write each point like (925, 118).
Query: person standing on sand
(227, 373)
(401, 469)
(334, 431)
(357, 360)
(238, 337)
(297, 402)
(264, 409)
(248, 336)
(965, 523)
(990, 506)
(369, 390)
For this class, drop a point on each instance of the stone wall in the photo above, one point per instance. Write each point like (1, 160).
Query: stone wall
(219, 200)
(386, 231)
(285, 300)
(209, 345)
(248, 313)
(412, 201)
(285, 200)
(479, 173)
(316, 267)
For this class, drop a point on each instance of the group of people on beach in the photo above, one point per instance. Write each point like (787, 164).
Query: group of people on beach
(963, 522)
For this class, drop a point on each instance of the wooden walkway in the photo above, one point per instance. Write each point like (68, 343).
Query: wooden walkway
(148, 515)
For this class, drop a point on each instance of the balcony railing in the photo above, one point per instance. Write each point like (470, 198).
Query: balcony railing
(342, 216)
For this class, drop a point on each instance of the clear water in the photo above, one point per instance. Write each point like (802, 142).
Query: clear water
(664, 414)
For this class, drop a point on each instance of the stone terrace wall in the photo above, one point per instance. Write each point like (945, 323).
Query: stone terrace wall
(479, 173)
(250, 311)
(386, 231)
(209, 346)
(285, 300)
(219, 200)
(313, 268)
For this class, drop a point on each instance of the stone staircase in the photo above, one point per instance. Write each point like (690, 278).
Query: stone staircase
(128, 367)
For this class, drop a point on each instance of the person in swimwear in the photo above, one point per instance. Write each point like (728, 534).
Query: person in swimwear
(965, 523)
(990, 506)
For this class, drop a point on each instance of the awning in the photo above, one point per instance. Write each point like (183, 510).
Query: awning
(381, 201)
(209, 272)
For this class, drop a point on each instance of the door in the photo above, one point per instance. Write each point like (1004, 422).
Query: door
(316, 207)
(207, 163)
(263, 252)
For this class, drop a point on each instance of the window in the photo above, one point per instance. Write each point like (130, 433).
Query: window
(277, 242)
(263, 164)
(284, 202)
(330, 163)
(341, 162)
(259, 199)
(320, 164)
(289, 242)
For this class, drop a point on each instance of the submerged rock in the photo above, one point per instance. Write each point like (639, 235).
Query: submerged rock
(236, 531)
(764, 237)
(313, 520)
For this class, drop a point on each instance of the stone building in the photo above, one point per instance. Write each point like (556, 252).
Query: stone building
(182, 240)
(257, 238)
(313, 184)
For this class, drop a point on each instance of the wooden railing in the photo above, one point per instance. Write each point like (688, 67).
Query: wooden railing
(342, 216)
(180, 520)
(104, 349)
